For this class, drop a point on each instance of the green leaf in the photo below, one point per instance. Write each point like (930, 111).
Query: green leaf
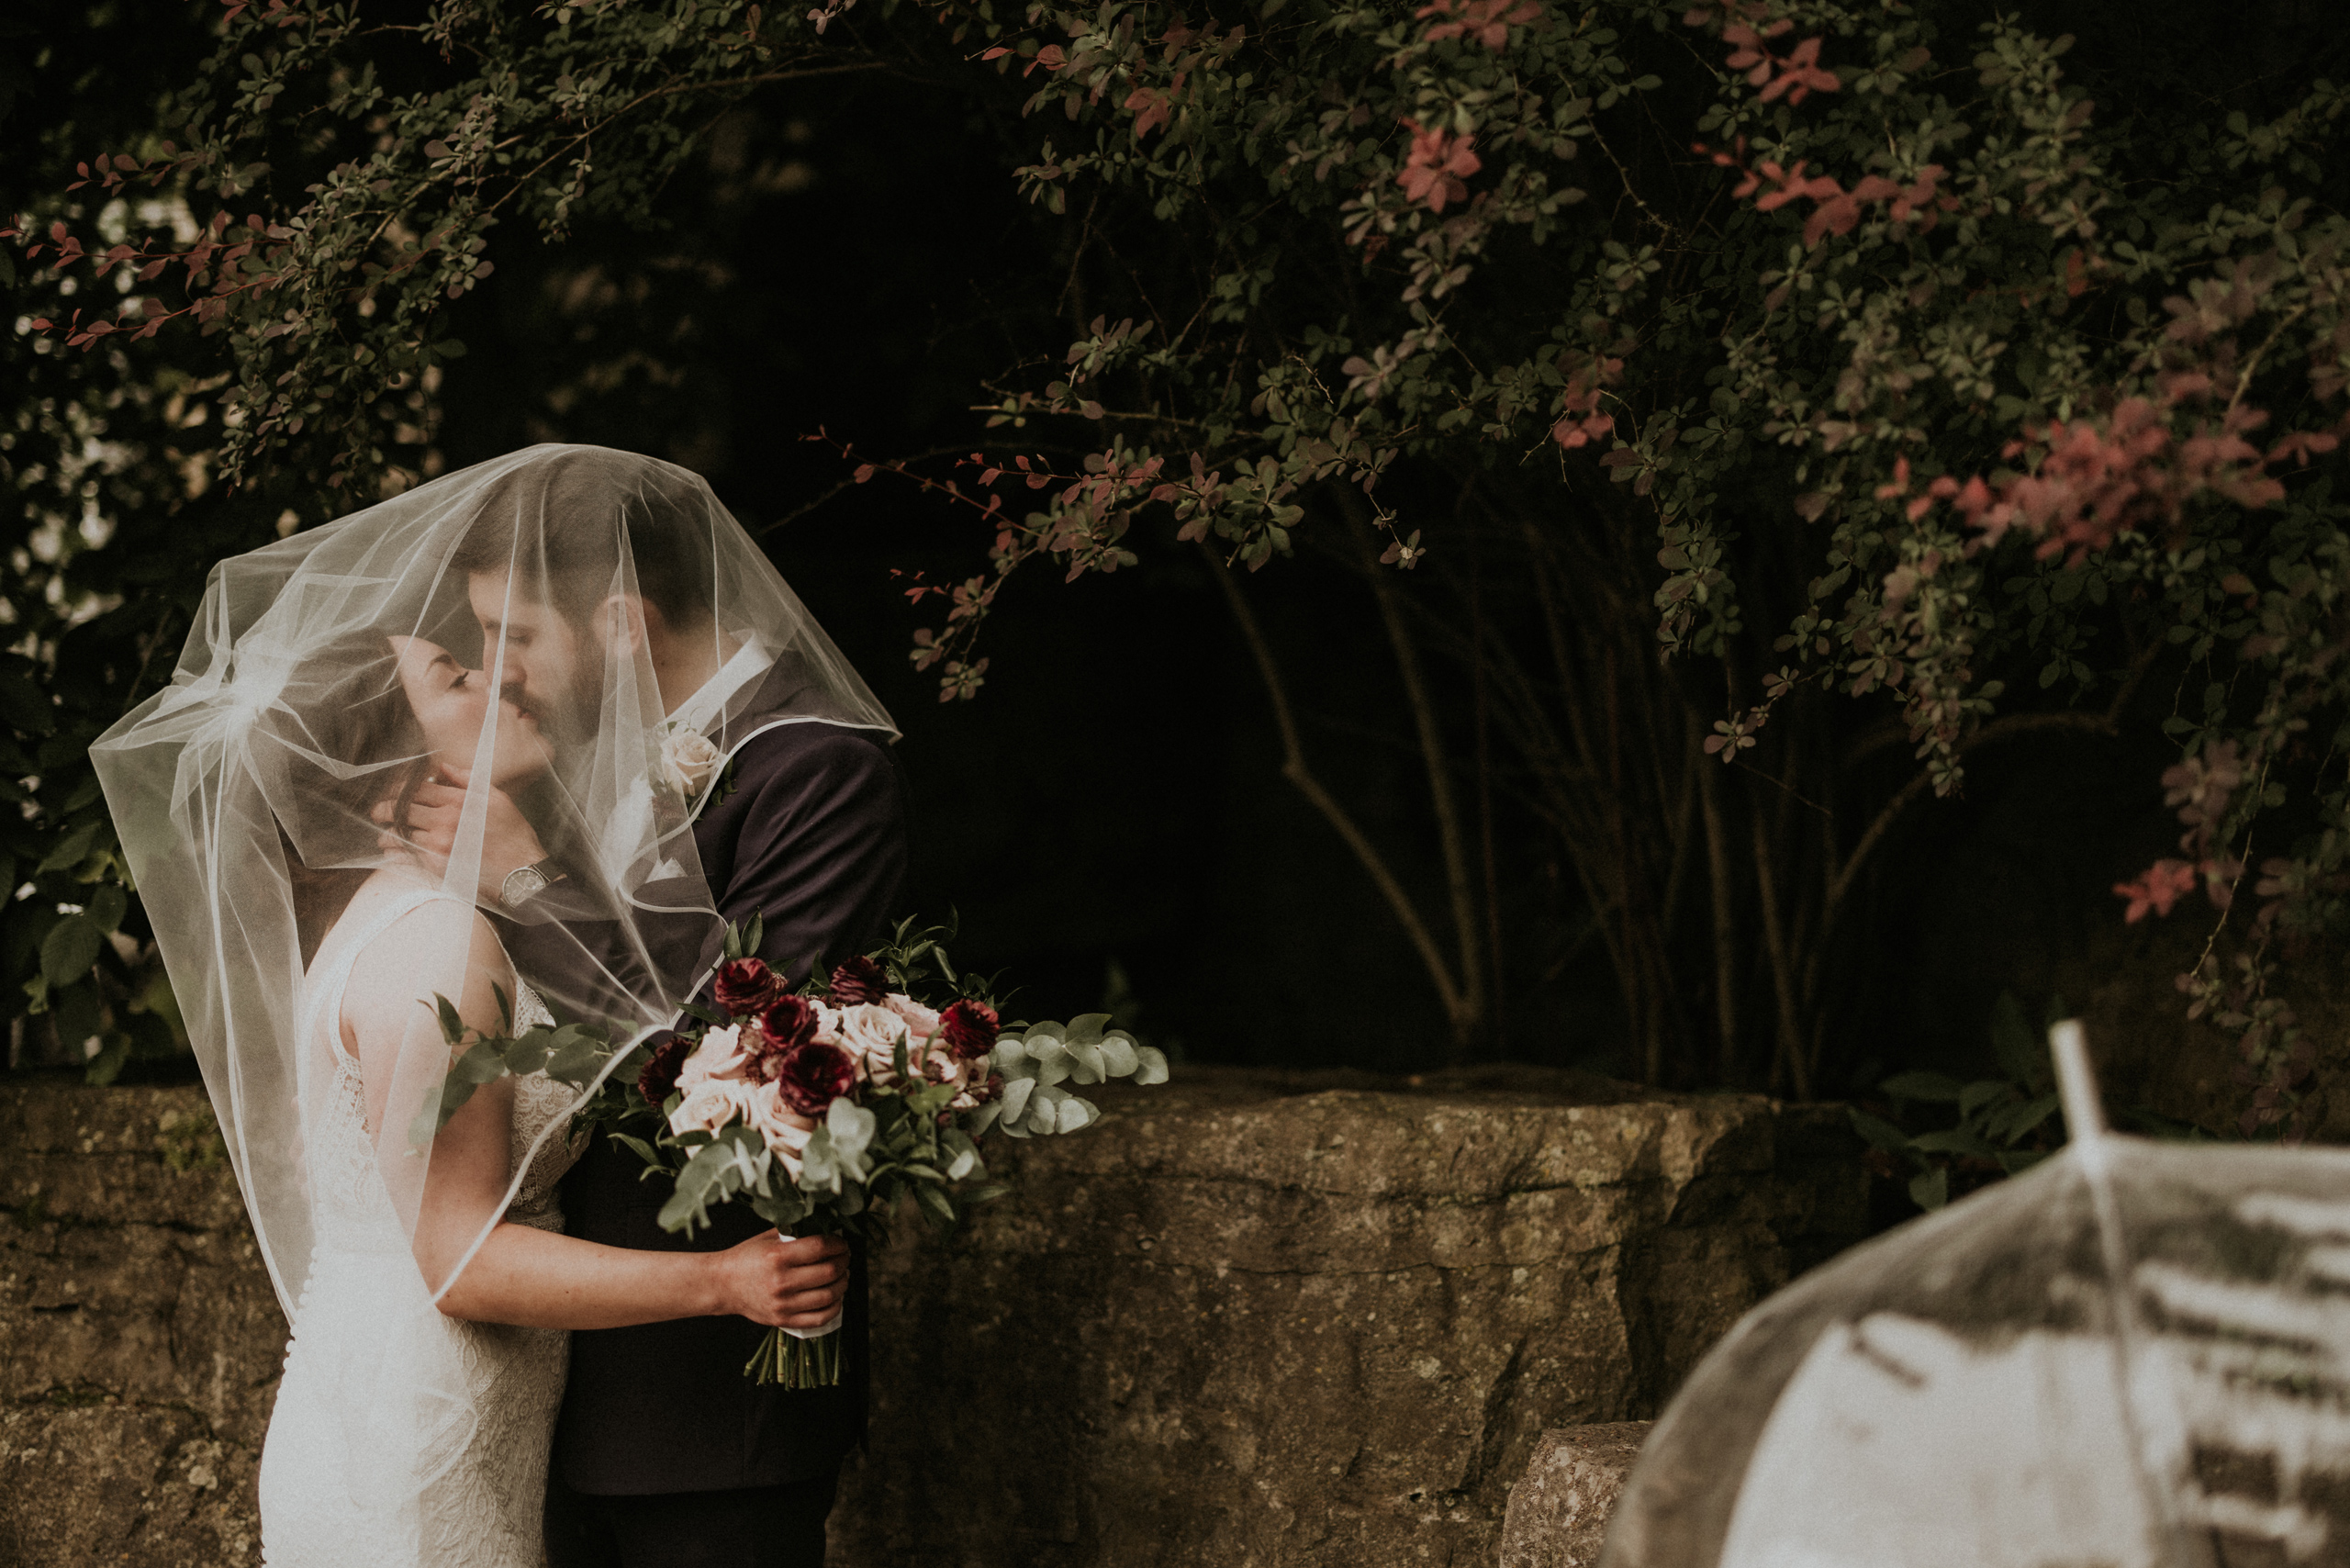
(2022, 1055)
(108, 1065)
(1150, 1065)
(1987, 1091)
(2014, 1122)
(505, 1008)
(452, 1028)
(1930, 1190)
(70, 850)
(1880, 1133)
(640, 1148)
(1954, 1140)
(937, 1205)
(108, 905)
(25, 707)
(69, 950)
(577, 1053)
(1923, 1086)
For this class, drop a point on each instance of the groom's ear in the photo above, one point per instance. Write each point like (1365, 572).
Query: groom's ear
(621, 623)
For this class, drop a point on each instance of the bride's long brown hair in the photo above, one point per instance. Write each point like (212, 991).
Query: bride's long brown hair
(362, 716)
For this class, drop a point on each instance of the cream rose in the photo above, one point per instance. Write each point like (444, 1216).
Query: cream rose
(870, 1031)
(711, 1105)
(688, 761)
(721, 1054)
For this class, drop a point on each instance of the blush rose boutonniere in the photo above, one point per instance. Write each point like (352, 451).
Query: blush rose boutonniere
(690, 764)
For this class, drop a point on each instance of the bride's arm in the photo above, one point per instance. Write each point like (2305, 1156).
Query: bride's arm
(543, 1281)
(521, 1275)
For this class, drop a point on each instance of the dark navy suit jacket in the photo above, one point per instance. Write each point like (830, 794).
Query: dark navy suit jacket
(813, 839)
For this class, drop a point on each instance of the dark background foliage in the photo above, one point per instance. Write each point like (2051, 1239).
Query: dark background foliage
(1107, 817)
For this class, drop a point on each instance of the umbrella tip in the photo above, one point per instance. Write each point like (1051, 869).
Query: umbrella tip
(2076, 1081)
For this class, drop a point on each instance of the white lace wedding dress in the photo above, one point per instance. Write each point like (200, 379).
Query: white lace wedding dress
(403, 1438)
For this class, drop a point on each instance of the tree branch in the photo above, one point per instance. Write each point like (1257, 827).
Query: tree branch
(1295, 769)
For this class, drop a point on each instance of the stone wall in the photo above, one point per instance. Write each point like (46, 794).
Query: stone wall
(1254, 1320)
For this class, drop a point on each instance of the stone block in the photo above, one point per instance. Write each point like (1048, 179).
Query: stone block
(123, 1486)
(1558, 1511)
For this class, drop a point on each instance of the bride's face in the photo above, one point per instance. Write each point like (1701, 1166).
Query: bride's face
(452, 704)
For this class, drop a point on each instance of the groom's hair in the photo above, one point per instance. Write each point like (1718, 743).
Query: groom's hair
(557, 523)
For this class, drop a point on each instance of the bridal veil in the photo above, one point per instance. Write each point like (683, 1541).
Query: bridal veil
(484, 633)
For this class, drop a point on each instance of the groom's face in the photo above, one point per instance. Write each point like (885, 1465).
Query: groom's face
(553, 667)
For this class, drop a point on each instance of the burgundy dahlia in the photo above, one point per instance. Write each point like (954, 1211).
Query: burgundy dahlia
(659, 1079)
(813, 1074)
(746, 985)
(859, 979)
(789, 1021)
(969, 1028)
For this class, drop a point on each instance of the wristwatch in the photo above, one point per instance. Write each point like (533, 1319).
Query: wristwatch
(526, 882)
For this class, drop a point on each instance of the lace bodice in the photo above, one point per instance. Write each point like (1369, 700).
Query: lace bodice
(403, 1437)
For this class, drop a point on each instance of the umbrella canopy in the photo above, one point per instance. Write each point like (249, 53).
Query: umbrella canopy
(2137, 1355)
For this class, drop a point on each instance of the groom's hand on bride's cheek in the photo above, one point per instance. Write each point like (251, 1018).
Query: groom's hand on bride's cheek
(509, 842)
(787, 1284)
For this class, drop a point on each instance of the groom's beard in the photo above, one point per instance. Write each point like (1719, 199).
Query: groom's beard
(572, 716)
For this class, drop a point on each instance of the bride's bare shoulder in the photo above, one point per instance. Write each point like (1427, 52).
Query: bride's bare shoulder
(441, 945)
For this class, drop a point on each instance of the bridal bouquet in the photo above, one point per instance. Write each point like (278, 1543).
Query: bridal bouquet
(827, 1108)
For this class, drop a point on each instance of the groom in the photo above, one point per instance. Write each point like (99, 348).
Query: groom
(666, 1454)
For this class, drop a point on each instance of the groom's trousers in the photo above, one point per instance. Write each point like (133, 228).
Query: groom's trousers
(751, 1527)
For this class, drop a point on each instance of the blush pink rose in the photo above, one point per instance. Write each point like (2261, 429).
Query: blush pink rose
(721, 1054)
(711, 1105)
(785, 1130)
(922, 1022)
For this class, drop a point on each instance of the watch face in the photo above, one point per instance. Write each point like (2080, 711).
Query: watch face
(520, 884)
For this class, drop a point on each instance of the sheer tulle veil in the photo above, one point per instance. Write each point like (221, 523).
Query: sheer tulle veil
(521, 625)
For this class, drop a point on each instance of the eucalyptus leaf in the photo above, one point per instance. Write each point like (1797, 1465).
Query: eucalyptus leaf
(1118, 1054)
(1150, 1065)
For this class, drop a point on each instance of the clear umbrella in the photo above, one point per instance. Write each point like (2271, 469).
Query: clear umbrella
(2137, 1355)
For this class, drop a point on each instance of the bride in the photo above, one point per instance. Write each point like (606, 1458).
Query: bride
(329, 680)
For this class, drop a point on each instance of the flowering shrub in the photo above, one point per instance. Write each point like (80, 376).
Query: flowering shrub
(1754, 393)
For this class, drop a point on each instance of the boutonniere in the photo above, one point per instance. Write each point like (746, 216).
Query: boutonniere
(689, 763)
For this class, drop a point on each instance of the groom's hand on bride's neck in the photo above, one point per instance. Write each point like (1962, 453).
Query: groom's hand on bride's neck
(509, 842)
